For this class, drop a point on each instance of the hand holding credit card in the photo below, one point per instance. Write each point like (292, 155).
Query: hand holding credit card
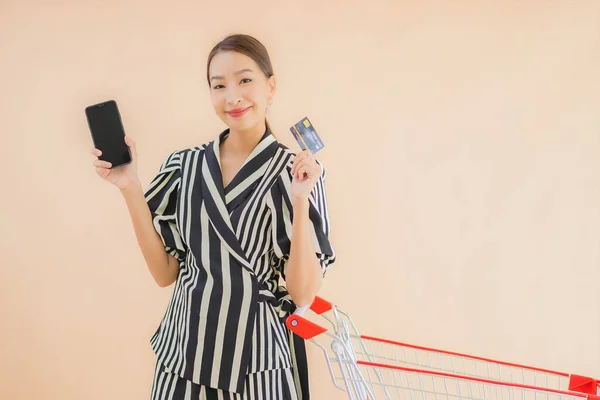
(307, 136)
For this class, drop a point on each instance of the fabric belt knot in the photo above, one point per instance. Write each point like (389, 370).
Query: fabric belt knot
(280, 300)
(284, 306)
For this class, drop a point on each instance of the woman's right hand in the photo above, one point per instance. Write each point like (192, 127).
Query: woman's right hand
(122, 176)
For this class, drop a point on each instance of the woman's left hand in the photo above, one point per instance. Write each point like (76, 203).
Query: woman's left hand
(305, 172)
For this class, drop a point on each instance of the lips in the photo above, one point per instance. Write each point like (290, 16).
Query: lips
(238, 112)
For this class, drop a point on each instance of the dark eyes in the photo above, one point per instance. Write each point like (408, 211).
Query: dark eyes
(245, 80)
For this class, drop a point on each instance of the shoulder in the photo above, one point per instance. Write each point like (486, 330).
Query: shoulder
(288, 155)
(183, 157)
(190, 151)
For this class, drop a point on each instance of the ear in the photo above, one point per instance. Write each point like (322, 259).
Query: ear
(272, 82)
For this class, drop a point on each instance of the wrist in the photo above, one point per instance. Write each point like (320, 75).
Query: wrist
(300, 204)
(133, 187)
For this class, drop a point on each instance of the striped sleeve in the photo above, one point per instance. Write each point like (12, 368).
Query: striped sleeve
(162, 197)
(319, 217)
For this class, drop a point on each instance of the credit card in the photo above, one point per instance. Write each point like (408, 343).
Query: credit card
(307, 136)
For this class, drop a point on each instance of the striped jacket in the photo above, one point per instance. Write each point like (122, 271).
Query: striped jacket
(226, 316)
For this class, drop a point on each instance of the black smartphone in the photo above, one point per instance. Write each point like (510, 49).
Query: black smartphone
(108, 134)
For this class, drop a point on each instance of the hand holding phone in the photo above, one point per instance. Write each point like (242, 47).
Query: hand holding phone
(115, 152)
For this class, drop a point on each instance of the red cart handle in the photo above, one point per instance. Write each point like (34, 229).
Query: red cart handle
(304, 328)
(320, 305)
(307, 329)
(583, 384)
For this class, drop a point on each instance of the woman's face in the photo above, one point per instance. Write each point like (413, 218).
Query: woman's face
(240, 91)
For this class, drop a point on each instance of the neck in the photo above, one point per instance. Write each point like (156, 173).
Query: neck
(244, 141)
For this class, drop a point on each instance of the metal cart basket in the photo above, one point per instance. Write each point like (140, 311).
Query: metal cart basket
(368, 368)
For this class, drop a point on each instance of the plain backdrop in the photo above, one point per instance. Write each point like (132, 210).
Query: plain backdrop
(462, 150)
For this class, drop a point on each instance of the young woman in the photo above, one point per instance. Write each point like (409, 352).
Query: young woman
(225, 221)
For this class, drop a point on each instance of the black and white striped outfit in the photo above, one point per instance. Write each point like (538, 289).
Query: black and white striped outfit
(223, 334)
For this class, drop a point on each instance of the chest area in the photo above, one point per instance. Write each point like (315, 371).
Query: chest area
(230, 165)
(240, 214)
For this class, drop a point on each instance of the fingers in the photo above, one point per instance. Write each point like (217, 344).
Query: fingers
(305, 171)
(129, 141)
(302, 173)
(305, 166)
(299, 166)
(102, 164)
(102, 172)
(96, 152)
(102, 167)
(300, 159)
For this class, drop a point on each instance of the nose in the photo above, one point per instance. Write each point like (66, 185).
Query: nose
(233, 96)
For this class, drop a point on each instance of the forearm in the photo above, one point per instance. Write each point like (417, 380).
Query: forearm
(163, 267)
(303, 272)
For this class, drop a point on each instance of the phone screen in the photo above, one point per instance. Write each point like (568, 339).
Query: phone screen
(107, 132)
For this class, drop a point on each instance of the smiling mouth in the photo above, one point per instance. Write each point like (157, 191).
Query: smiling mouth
(238, 112)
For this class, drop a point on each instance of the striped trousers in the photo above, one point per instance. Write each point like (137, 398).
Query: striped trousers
(275, 384)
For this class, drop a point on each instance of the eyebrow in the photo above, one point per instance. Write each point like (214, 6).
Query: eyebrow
(241, 71)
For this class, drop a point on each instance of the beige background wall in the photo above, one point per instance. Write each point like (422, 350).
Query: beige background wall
(462, 151)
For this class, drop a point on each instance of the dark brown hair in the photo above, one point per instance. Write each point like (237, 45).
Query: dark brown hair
(244, 44)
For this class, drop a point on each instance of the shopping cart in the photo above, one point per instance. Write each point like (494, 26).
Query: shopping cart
(368, 368)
